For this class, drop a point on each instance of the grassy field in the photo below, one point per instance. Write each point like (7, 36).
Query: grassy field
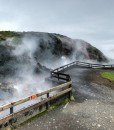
(108, 75)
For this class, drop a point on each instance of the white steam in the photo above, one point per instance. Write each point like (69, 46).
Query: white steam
(80, 50)
(27, 46)
(26, 81)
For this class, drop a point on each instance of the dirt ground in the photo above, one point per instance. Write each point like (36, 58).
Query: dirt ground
(95, 77)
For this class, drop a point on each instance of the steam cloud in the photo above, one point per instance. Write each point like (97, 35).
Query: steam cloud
(26, 81)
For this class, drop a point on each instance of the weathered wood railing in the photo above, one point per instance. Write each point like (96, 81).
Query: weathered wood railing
(65, 88)
(92, 65)
(58, 75)
(82, 64)
(60, 90)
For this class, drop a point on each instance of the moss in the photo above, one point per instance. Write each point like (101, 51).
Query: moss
(8, 34)
(94, 53)
(93, 50)
(108, 75)
(44, 112)
(60, 104)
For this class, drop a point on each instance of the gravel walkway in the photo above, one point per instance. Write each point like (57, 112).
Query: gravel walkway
(92, 110)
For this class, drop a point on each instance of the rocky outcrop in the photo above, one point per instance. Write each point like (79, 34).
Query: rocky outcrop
(20, 49)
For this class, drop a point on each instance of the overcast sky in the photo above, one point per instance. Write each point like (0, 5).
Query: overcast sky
(90, 20)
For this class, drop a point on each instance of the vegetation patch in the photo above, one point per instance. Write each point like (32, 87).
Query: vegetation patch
(7, 34)
(108, 75)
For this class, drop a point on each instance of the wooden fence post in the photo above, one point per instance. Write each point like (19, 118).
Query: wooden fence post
(11, 112)
(70, 93)
(47, 104)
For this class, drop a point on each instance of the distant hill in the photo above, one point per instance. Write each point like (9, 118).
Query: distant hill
(37, 48)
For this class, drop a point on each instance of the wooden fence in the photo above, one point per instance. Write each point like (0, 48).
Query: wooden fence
(82, 64)
(65, 88)
(60, 90)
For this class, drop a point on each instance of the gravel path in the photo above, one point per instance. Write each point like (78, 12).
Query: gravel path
(85, 89)
(92, 110)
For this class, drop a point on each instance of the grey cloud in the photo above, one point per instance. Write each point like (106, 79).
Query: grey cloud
(91, 20)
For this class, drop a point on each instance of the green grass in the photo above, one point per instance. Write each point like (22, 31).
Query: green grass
(8, 34)
(108, 75)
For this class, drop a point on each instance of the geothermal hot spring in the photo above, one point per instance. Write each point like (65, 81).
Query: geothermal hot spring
(25, 81)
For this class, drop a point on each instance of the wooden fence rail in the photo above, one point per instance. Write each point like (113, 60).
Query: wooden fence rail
(83, 64)
(62, 89)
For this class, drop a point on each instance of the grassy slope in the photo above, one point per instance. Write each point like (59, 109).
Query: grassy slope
(108, 75)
